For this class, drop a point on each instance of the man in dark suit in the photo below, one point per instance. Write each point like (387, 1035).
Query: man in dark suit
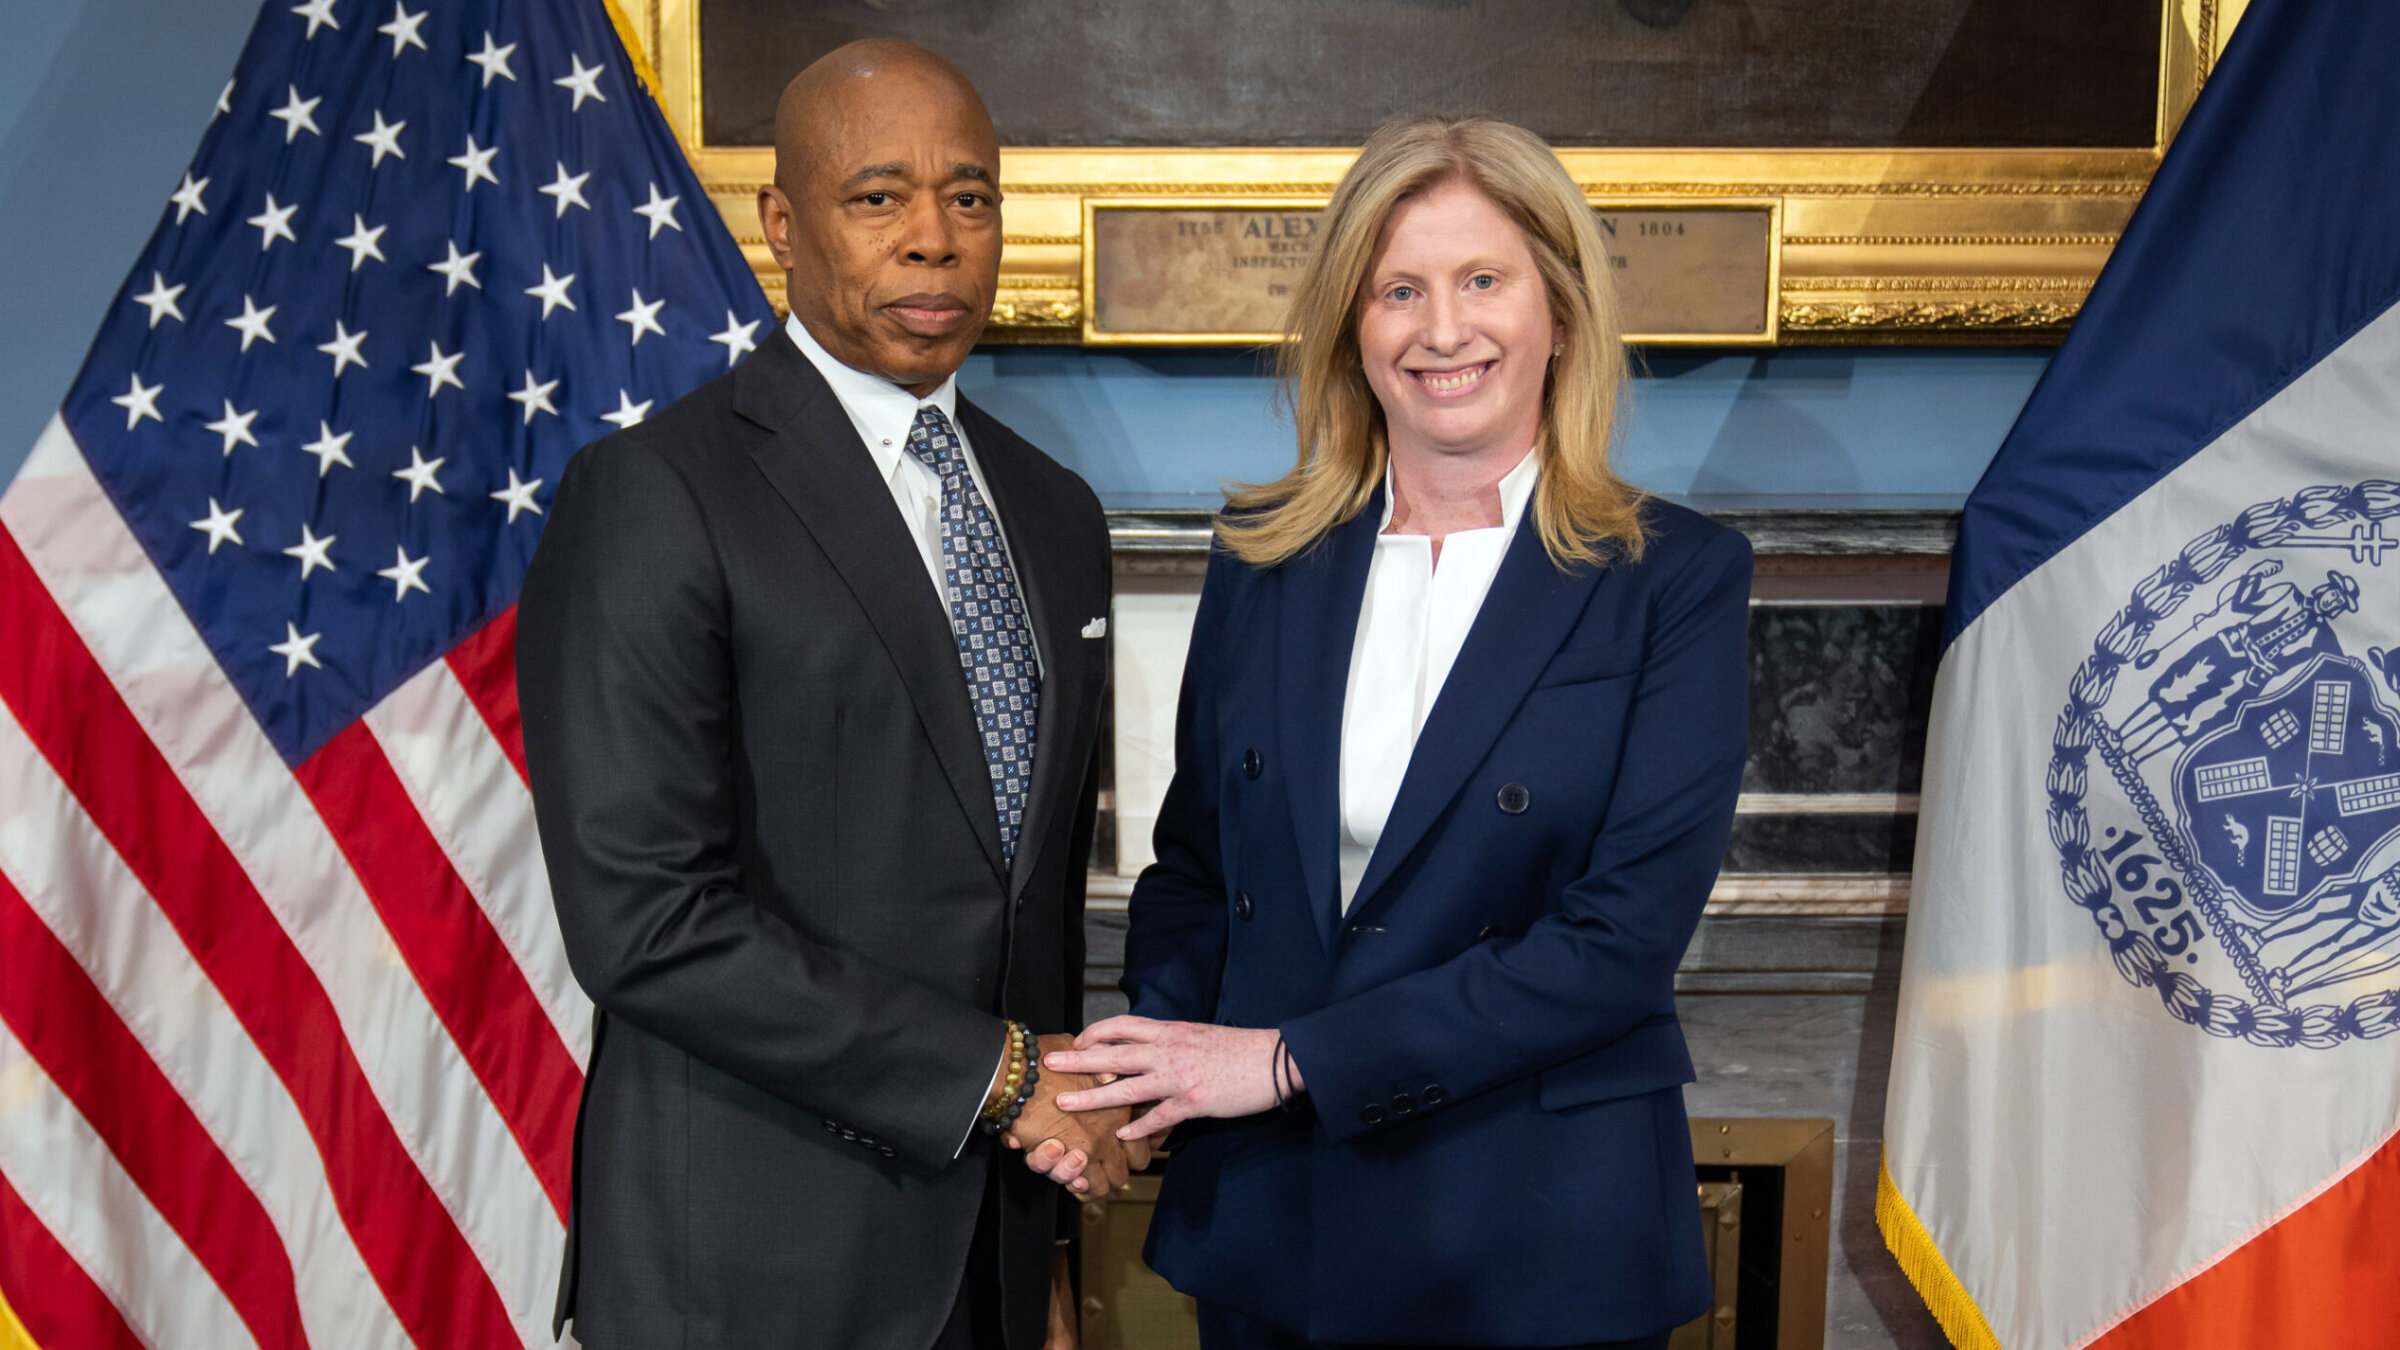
(811, 667)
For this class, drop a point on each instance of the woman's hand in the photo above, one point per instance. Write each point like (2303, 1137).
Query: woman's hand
(1190, 1069)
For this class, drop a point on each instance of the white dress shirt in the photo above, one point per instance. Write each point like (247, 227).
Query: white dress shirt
(1411, 624)
(884, 412)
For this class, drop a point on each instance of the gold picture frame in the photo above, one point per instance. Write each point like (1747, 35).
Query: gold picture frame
(1951, 245)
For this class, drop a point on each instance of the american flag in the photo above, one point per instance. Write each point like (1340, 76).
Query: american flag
(289, 1051)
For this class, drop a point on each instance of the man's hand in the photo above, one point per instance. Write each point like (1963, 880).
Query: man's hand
(1079, 1150)
(1063, 1321)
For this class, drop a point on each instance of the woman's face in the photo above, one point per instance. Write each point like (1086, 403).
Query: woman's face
(1455, 328)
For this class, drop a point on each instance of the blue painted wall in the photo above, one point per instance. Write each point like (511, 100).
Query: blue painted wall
(1164, 428)
(101, 105)
(101, 102)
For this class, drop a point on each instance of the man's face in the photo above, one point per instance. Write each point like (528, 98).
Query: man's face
(886, 215)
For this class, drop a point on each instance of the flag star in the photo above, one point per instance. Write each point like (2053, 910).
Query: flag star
(568, 191)
(328, 448)
(628, 412)
(235, 428)
(536, 398)
(553, 291)
(297, 114)
(584, 82)
(219, 527)
(661, 212)
(344, 348)
(494, 60)
(477, 163)
(187, 197)
(224, 100)
(275, 222)
(736, 338)
(160, 299)
(384, 139)
(311, 551)
(419, 475)
(439, 370)
(139, 401)
(402, 30)
(406, 574)
(317, 12)
(362, 242)
(252, 322)
(458, 267)
(518, 495)
(643, 317)
(296, 650)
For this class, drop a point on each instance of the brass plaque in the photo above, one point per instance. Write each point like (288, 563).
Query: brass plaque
(1694, 273)
(1181, 272)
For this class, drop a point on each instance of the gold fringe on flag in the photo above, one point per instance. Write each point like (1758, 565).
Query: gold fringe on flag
(641, 63)
(12, 1331)
(1925, 1268)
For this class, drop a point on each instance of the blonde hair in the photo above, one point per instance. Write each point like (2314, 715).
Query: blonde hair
(1582, 509)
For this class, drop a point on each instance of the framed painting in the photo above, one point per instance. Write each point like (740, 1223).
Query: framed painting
(1877, 170)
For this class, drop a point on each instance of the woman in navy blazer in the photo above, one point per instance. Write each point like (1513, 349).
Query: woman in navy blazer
(1418, 1031)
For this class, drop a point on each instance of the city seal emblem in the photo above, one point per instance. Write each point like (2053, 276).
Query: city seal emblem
(2224, 784)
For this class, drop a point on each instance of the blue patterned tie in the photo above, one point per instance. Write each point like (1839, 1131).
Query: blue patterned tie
(987, 616)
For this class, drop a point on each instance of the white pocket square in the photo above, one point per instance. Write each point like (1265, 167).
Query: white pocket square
(1097, 628)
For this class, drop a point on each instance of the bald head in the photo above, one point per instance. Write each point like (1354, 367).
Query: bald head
(885, 209)
(856, 78)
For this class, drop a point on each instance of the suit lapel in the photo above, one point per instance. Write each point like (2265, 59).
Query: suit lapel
(815, 463)
(1529, 611)
(1045, 574)
(1321, 592)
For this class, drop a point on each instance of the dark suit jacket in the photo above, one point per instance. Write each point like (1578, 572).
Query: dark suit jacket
(769, 827)
(1497, 1153)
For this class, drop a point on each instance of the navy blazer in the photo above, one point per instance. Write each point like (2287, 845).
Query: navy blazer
(1497, 1151)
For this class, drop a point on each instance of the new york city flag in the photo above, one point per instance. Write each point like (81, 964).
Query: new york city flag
(2145, 1085)
(289, 1050)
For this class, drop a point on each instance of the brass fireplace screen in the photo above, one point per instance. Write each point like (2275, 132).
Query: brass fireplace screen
(1766, 1204)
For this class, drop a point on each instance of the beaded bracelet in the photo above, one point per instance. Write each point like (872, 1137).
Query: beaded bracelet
(1024, 1072)
(1013, 1076)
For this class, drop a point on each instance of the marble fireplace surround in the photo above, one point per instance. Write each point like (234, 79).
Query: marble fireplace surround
(1787, 993)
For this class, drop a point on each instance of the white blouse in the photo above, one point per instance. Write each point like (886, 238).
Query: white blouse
(1411, 624)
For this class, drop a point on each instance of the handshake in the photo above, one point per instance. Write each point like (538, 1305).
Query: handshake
(1079, 1128)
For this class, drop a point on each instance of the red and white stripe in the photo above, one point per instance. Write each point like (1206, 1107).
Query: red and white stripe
(288, 1057)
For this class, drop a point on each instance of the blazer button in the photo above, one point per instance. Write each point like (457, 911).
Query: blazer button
(1252, 765)
(1402, 1103)
(1241, 904)
(1514, 798)
(1488, 932)
(1434, 1094)
(1370, 1114)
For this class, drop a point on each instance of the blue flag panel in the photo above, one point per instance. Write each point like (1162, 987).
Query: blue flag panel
(420, 258)
(2263, 243)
